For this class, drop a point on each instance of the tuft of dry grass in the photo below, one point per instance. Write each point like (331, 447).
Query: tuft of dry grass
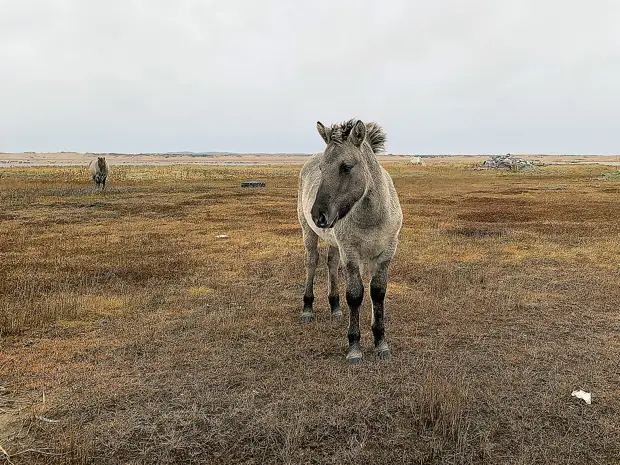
(150, 340)
(442, 405)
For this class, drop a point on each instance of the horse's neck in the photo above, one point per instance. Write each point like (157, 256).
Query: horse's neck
(374, 168)
(376, 182)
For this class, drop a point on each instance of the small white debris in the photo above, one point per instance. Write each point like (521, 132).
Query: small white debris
(47, 420)
(582, 395)
(221, 236)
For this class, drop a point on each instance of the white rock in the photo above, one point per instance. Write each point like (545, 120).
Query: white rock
(583, 395)
(221, 236)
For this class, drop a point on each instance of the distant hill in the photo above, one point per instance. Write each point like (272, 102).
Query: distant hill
(203, 154)
(196, 153)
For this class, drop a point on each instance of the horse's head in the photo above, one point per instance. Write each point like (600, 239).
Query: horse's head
(343, 173)
(101, 162)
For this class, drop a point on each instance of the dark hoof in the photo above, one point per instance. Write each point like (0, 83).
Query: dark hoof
(383, 351)
(306, 317)
(336, 313)
(354, 356)
(354, 360)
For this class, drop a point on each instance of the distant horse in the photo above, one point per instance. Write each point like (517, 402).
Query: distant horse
(348, 199)
(99, 170)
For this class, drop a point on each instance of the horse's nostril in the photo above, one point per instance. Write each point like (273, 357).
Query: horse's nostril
(322, 219)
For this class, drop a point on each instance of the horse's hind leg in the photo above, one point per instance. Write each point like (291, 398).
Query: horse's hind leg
(378, 285)
(333, 263)
(311, 242)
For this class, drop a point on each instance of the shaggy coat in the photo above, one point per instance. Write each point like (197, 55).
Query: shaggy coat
(99, 170)
(347, 199)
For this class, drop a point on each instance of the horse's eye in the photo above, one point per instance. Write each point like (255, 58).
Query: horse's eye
(346, 168)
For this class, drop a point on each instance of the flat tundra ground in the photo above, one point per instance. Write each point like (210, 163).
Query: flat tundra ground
(130, 334)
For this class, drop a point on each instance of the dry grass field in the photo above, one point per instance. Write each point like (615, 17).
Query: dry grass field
(130, 334)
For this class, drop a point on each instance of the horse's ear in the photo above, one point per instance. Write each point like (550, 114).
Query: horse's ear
(358, 133)
(323, 132)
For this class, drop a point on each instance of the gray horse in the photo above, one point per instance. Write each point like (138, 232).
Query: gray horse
(348, 199)
(99, 170)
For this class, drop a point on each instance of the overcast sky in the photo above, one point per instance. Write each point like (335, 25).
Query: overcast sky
(469, 76)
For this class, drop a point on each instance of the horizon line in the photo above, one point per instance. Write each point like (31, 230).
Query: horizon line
(220, 153)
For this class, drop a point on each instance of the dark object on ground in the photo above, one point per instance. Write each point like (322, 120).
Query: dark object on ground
(253, 184)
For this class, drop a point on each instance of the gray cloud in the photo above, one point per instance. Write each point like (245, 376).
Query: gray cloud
(455, 76)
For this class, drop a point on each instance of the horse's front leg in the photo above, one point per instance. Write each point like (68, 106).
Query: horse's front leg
(311, 241)
(355, 295)
(378, 285)
(333, 263)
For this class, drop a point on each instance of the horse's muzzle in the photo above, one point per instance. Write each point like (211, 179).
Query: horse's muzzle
(323, 221)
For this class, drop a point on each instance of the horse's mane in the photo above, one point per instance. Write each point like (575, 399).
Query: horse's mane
(375, 135)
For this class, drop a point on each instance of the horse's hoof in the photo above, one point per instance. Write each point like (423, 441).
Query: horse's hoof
(354, 356)
(337, 313)
(383, 350)
(306, 317)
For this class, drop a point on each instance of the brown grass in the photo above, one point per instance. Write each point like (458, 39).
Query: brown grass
(150, 341)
